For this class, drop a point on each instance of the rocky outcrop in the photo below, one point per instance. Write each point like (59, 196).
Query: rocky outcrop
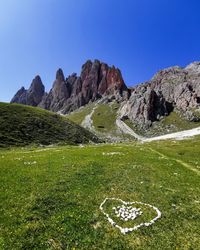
(57, 96)
(33, 95)
(170, 89)
(173, 88)
(20, 96)
(179, 86)
(96, 80)
(144, 106)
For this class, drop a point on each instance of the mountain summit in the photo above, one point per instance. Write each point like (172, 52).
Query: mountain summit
(32, 96)
(171, 89)
(96, 80)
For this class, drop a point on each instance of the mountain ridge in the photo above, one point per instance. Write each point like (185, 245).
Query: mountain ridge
(67, 94)
(173, 88)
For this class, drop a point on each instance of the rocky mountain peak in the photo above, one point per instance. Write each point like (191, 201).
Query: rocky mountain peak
(60, 75)
(31, 96)
(195, 67)
(85, 69)
(96, 80)
(35, 92)
(20, 96)
(37, 85)
(168, 72)
(21, 90)
(114, 78)
(37, 79)
(173, 88)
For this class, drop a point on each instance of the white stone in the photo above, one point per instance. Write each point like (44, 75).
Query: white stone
(128, 212)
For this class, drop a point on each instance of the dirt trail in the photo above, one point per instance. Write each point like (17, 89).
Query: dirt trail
(177, 136)
(184, 164)
(88, 122)
(127, 130)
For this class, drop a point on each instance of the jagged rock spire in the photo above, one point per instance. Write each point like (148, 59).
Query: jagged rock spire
(60, 75)
(33, 95)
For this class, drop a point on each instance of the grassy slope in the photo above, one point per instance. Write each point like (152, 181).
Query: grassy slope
(105, 115)
(104, 120)
(79, 115)
(22, 125)
(54, 203)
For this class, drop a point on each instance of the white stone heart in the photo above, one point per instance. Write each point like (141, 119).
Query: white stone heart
(128, 212)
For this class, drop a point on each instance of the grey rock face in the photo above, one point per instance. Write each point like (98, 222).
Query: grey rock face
(172, 88)
(33, 95)
(57, 96)
(180, 86)
(35, 92)
(20, 96)
(96, 80)
(145, 106)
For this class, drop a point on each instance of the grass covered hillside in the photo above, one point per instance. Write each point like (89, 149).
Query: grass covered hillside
(50, 197)
(23, 125)
(101, 118)
(102, 121)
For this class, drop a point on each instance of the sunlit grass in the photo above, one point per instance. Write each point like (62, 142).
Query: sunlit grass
(54, 203)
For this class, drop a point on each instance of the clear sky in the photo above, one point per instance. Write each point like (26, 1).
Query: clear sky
(138, 36)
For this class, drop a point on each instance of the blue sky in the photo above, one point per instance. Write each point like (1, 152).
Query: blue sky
(138, 36)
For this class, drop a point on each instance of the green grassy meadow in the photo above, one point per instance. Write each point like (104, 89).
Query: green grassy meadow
(103, 121)
(50, 196)
(78, 116)
(104, 117)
